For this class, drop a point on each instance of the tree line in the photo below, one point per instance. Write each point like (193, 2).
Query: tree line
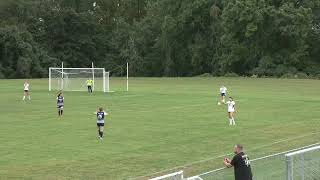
(161, 37)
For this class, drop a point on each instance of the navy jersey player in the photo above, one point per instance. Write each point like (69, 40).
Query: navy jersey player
(60, 104)
(100, 121)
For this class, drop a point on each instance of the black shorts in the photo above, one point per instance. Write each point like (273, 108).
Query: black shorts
(26, 90)
(100, 124)
(223, 94)
(60, 106)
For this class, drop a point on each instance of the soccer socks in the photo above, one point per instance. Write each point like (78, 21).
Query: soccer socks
(60, 112)
(100, 133)
(29, 97)
(232, 122)
(24, 97)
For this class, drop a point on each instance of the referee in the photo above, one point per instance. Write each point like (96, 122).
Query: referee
(241, 164)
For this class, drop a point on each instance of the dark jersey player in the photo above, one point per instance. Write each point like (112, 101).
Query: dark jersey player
(60, 104)
(100, 121)
(241, 164)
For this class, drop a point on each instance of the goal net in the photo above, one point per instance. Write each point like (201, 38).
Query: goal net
(304, 164)
(74, 79)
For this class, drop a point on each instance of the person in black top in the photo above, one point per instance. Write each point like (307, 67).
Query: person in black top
(60, 103)
(241, 164)
(101, 115)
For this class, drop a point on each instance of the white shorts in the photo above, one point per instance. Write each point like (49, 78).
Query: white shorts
(230, 110)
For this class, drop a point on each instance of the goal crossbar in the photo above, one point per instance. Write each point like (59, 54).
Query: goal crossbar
(77, 68)
(303, 151)
(74, 79)
(303, 164)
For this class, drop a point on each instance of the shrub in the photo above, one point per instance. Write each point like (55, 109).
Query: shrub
(204, 75)
(231, 74)
(301, 75)
(288, 76)
(317, 76)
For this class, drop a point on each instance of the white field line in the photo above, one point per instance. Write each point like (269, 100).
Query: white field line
(221, 156)
(265, 157)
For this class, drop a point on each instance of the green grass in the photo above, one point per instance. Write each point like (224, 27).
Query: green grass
(159, 124)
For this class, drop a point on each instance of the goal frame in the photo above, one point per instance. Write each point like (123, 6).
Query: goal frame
(289, 159)
(172, 175)
(105, 77)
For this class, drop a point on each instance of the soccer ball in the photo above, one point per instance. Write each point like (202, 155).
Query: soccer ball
(219, 103)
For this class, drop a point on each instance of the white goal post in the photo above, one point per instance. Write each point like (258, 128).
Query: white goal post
(74, 79)
(304, 164)
(172, 176)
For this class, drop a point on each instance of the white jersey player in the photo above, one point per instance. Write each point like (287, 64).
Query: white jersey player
(26, 90)
(223, 93)
(231, 110)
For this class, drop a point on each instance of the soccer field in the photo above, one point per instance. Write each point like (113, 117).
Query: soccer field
(159, 124)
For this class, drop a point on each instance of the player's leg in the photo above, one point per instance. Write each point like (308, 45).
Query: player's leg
(61, 111)
(230, 118)
(28, 94)
(101, 131)
(90, 89)
(223, 98)
(24, 95)
(98, 128)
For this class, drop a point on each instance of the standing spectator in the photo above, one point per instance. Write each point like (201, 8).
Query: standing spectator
(241, 164)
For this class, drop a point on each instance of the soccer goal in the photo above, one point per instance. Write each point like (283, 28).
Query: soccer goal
(172, 176)
(74, 79)
(304, 164)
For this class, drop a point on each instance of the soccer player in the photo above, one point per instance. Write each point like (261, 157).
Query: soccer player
(223, 93)
(89, 83)
(100, 121)
(231, 110)
(241, 164)
(26, 90)
(60, 103)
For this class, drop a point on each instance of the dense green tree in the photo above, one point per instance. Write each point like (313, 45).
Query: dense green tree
(161, 37)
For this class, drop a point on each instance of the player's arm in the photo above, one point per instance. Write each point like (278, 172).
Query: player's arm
(227, 162)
